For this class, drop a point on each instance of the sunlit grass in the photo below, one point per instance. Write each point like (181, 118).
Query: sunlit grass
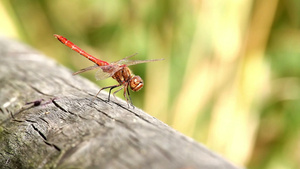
(9, 29)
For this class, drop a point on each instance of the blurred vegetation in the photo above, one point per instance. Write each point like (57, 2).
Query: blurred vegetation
(231, 75)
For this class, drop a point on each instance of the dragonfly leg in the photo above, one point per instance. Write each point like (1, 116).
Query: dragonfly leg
(114, 94)
(110, 88)
(128, 98)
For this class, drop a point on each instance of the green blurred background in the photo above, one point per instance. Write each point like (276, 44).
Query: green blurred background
(230, 78)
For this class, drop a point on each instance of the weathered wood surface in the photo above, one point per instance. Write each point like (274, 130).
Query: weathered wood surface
(70, 130)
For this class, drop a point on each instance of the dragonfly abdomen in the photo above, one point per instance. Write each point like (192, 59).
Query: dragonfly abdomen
(80, 51)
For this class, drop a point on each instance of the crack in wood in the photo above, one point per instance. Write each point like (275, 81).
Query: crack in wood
(68, 111)
(52, 145)
(44, 120)
(58, 106)
(45, 138)
(31, 121)
(40, 133)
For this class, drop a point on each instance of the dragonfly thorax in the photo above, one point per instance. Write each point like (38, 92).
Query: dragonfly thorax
(124, 76)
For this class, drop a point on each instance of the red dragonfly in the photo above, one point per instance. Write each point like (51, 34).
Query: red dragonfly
(117, 70)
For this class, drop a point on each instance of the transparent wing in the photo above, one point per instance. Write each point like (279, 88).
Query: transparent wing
(124, 59)
(127, 62)
(107, 71)
(134, 62)
(103, 72)
(86, 69)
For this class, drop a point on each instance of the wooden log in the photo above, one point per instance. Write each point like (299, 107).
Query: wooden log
(49, 119)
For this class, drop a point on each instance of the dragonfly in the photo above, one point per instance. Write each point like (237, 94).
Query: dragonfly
(118, 70)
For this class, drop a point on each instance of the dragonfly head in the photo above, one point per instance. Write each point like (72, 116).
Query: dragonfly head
(136, 83)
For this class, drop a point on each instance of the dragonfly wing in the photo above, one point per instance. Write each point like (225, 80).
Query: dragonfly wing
(87, 69)
(124, 59)
(134, 62)
(106, 71)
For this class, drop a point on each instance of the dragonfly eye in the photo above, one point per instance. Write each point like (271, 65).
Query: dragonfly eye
(136, 83)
